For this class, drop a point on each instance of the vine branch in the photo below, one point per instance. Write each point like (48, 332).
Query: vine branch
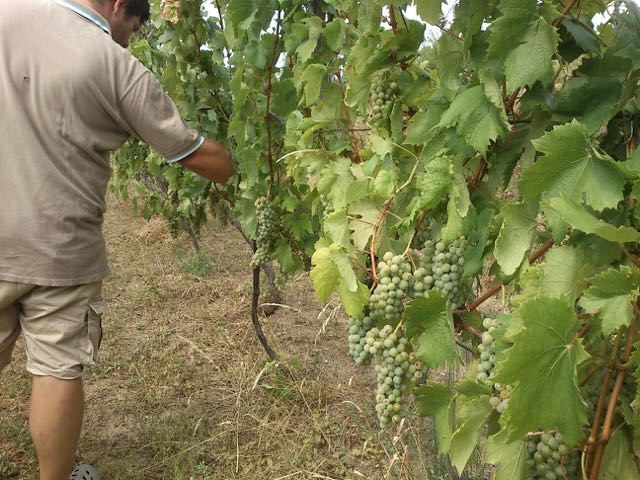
(267, 115)
(613, 402)
(495, 289)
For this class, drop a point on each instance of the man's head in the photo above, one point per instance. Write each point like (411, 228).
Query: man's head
(124, 16)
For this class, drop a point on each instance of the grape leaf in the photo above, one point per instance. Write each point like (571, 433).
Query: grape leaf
(421, 128)
(475, 118)
(526, 41)
(472, 416)
(436, 400)
(619, 461)
(474, 253)
(571, 167)
(336, 226)
(611, 295)
(353, 302)
(430, 323)
(363, 215)
(312, 77)
(542, 365)
(450, 62)
(324, 274)
(579, 218)
(561, 275)
(516, 236)
(509, 456)
(429, 10)
(305, 50)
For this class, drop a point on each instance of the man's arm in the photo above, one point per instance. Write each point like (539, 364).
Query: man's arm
(211, 161)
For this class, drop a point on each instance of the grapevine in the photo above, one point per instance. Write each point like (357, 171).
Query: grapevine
(368, 138)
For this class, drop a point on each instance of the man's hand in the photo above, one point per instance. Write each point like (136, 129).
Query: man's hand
(211, 161)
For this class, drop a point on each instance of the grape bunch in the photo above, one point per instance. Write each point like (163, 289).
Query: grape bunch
(268, 226)
(397, 371)
(358, 346)
(500, 399)
(395, 282)
(441, 269)
(487, 352)
(549, 458)
(382, 94)
(423, 235)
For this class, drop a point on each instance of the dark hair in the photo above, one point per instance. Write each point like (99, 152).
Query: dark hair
(138, 8)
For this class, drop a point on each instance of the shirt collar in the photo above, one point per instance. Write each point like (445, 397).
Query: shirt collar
(87, 13)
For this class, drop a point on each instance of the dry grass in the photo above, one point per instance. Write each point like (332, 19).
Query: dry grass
(183, 391)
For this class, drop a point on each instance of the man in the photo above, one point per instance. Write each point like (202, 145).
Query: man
(70, 94)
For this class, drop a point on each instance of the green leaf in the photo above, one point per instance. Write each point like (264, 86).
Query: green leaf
(341, 260)
(434, 184)
(363, 216)
(312, 77)
(579, 218)
(542, 366)
(353, 302)
(525, 41)
(619, 461)
(450, 62)
(385, 183)
(516, 236)
(475, 118)
(324, 274)
(336, 226)
(563, 274)
(430, 323)
(369, 15)
(436, 401)
(594, 101)
(472, 416)
(474, 253)
(570, 167)
(510, 457)
(610, 296)
(429, 10)
(421, 127)
(306, 49)
(334, 34)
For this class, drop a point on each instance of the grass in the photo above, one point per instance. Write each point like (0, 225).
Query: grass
(182, 390)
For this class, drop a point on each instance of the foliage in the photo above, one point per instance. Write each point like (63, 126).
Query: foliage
(516, 130)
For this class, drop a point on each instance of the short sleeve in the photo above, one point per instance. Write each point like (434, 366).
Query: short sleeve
(150, 115)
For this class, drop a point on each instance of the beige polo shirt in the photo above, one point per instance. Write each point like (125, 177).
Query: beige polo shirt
(69, 95)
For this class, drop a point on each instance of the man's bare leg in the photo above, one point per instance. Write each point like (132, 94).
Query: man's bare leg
(55, 421)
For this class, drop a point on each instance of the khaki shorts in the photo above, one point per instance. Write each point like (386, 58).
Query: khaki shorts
(62, 326)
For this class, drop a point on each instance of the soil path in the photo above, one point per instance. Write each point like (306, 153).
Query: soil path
(182, 390)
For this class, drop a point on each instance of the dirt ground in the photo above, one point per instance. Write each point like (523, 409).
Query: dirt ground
(183, 389)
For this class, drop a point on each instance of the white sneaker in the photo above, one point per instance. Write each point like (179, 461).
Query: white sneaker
(85, 472)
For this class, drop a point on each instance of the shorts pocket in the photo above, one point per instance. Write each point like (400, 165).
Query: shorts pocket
(94, 321)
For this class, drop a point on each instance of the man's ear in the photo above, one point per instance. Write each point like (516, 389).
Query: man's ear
(119, 6)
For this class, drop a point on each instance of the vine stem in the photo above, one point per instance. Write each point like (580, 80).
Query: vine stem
(385, 209)
(565, 12)
(254, 312)
(495, 289)
(601, 399)
(374, 238)
(267, 115)
(352, 128)
(613, 402)
(392, 19)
